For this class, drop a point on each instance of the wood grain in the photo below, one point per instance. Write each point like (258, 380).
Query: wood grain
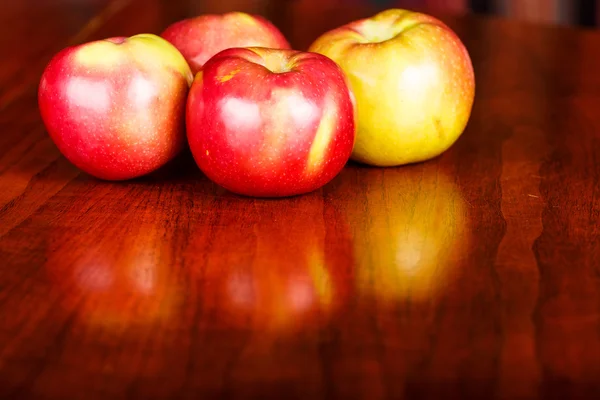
(474, 275)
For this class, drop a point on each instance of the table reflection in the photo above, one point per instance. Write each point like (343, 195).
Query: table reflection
(413, 234)
(273, 266)
(120, 278)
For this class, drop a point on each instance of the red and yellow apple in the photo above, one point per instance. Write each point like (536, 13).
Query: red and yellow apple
(413, 80)
(199, 38)
(270, 122)
(115, 108)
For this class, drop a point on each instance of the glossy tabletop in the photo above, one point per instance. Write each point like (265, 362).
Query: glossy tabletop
(473, 275)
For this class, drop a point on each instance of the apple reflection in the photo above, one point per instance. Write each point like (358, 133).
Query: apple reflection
(412, 235)
(273, 266)
(122, 278)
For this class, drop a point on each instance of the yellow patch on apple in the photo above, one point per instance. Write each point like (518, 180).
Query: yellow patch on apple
(145, 49)
(199, 76)
(244, 16)
(229, 75)
(316, 155)
(148, 48)
(99, 54)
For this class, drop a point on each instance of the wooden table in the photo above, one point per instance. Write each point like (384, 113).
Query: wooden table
(474, 275)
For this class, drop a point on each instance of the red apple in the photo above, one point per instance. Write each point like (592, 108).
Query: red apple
(413, 81)
(202, 37)
(269, 122)
(115, 108)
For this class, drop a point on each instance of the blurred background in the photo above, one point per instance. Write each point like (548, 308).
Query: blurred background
(582, 13)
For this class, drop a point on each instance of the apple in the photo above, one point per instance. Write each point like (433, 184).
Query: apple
(270, 122)
(413, 80)
(199, 38)
(115, 108)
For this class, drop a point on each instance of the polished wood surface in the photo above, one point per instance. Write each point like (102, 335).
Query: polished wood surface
(474, 275)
